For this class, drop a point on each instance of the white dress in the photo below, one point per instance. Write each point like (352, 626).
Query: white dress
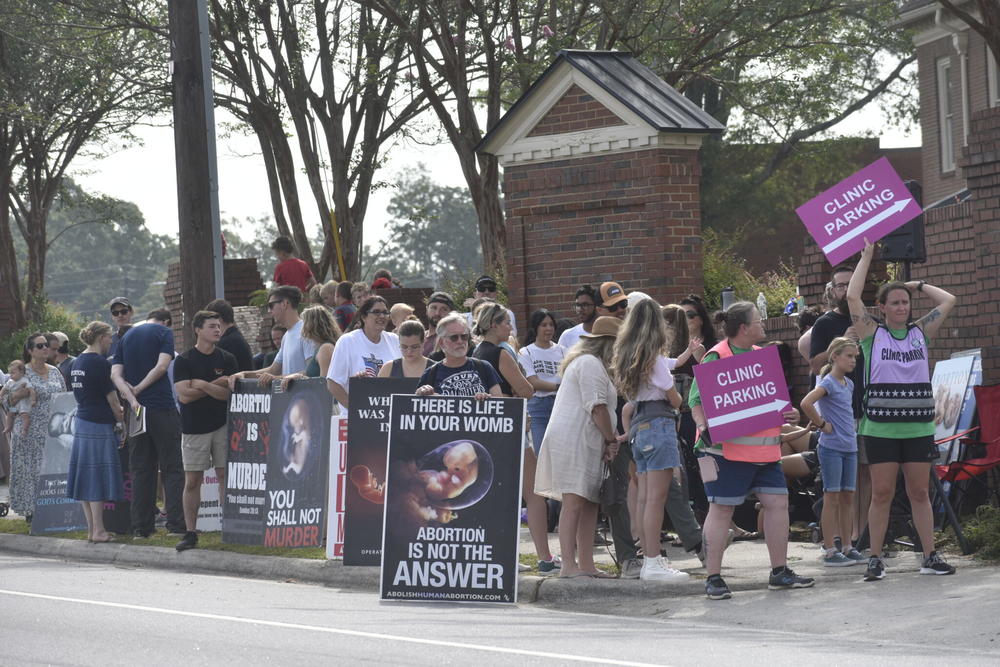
(570, 457)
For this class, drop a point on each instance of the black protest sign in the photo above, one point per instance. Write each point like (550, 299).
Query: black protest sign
(297, 465)
(249, 429)
(367, 443)
(453, 499)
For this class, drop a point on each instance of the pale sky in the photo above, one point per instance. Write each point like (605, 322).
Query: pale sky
(145, 174)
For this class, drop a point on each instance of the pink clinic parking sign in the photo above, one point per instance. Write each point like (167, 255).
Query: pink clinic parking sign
(742, 394)
(869, 204)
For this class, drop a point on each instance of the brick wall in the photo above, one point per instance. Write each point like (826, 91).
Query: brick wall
(981, 163)
(241, 278)
(576, 110)
(938, 184)
(631, 217)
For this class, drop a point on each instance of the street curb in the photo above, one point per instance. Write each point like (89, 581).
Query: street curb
(532, 589)
(196, 561)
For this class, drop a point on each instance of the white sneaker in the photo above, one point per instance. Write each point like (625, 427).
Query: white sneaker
(658, 569)
(631, 569)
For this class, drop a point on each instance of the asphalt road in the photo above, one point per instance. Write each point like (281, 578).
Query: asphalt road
(53, 612)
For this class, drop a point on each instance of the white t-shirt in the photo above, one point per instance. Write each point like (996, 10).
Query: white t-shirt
(660, 381)
(542, 363)
(354, 354)
(510, 314)
(571, 337)
(295, 351)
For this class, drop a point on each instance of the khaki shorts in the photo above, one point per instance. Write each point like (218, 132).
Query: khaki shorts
(201, 451)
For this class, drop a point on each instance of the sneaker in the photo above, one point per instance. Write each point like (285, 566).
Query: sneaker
(855, 556)
(189, 541)
(658, 569)
(836, 559)
(546, 566)
(521, 567)
(716, 589)
(140, 535)
(935, 564)
(876, 569)
(788, 579)
(631, 569)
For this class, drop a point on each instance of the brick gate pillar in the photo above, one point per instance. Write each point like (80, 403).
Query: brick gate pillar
(601, 182)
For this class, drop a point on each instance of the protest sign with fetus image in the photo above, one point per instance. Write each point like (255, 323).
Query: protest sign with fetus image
(453, 499)
(367, 443)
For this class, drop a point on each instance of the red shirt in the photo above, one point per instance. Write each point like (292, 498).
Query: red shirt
(293, 271)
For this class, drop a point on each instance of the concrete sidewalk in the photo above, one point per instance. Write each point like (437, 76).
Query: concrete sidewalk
(745, 568)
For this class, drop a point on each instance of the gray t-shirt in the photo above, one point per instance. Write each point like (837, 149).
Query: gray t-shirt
(835, 408)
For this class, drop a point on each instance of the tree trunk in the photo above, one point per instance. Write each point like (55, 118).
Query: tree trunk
(10, 285)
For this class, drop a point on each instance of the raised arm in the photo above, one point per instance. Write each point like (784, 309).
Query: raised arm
(860, 319)
(943, 303)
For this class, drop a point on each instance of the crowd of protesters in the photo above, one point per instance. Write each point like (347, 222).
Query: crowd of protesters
(611, 400)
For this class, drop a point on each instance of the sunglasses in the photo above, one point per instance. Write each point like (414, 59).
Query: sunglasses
(621, 305)
(691, 314)
(454, 338)
(486, 288)
(378, 313)
(581, 306)
(39, 346)
(119, 313)
(272, 304)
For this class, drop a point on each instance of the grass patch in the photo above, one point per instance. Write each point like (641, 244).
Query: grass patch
(983, 532)
(206, 541)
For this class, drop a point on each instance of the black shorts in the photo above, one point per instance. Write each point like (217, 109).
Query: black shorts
(900, 450)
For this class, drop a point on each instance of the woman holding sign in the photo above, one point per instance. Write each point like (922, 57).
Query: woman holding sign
(750, 465)
(898, 420)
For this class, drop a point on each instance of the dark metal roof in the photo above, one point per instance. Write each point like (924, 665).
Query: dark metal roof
(634, 85)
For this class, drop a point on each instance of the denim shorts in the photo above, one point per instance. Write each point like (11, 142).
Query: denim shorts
(738, 479)
(540, 409)
(654, 446)
(840, 469)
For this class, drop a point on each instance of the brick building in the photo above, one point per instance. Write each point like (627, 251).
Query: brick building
(960, 124)
(601, 182)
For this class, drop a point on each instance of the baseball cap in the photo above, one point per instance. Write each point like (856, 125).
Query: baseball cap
(120, 300)
(486, 281)
(442, 297)
(611, 293)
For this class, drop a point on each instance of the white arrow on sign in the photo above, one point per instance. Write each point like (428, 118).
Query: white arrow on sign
(866, 225)
(774, 406)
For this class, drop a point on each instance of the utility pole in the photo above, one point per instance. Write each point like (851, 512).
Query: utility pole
(200, 236)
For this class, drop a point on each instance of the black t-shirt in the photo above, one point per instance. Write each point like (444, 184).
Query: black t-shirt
(207, 413)
(489, 352)
(234, 343)
(473, 377)
(91, 382)
(831, 325)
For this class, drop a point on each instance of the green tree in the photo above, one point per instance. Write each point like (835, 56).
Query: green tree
(99, 248)
(67, 83)
(433, 230)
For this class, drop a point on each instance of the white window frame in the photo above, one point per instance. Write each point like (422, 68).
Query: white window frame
(946, 115)
(992, 79)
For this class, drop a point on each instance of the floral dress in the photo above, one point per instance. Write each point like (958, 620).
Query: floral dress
(26, 450)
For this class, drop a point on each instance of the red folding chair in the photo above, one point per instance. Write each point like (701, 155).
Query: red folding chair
(980, 457)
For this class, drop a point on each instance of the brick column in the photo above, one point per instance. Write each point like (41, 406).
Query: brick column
(981, 167)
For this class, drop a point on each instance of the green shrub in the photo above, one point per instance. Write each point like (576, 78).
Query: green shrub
(723, 267)
(983, 533)
(462, 286)
(53, 317)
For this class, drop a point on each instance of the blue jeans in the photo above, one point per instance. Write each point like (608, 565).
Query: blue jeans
(839, 469)
(539, 409)
(655, 445)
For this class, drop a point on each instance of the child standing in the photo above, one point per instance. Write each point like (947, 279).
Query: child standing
(21, 408)
(838, 448)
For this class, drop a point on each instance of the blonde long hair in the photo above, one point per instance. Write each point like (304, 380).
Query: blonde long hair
(837, 345)
(318, 325)
(678, 335)
(641, 340)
